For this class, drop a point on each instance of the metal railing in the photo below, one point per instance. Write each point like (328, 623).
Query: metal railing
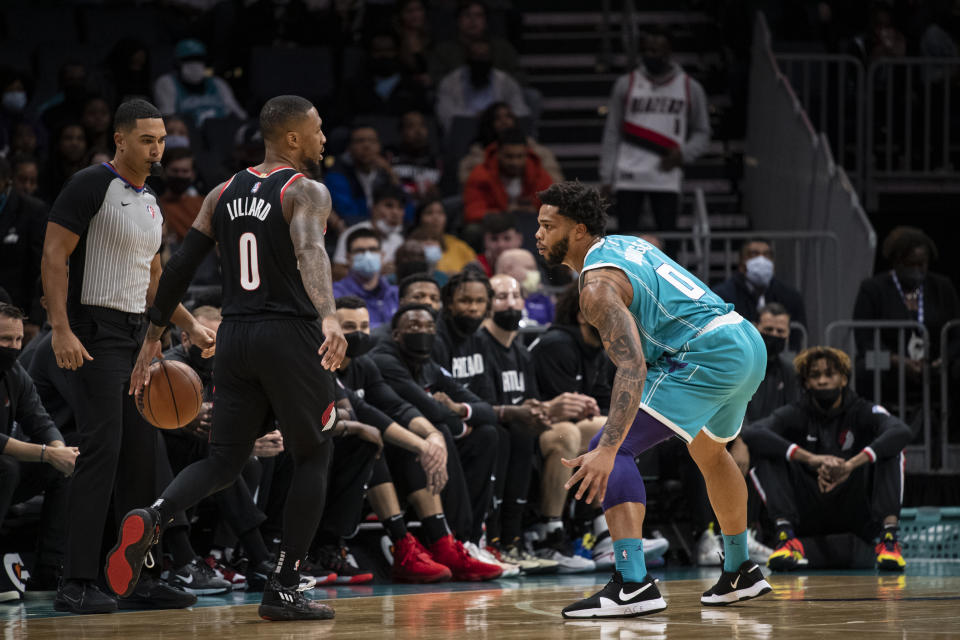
(830, 89)
(878, 360)
(950, 452)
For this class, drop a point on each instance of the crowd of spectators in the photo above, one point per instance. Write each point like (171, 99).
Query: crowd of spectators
(438, 286)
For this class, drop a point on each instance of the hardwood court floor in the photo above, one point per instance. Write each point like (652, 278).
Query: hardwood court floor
(854, 605)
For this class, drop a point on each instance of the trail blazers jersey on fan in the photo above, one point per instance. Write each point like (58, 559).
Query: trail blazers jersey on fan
(646, 119)
(260, 275)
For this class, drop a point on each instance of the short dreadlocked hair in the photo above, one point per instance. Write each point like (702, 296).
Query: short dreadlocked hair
(902, 240)
(836, 359)
(579, 202)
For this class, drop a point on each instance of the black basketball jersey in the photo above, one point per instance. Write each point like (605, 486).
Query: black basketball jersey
(260, 275)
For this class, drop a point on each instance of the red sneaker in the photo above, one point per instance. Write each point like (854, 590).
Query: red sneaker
(412, 563)
(788, 555)
(237, 580)
(449, 552)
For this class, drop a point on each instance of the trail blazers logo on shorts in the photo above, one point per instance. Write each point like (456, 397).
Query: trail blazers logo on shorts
(329, 417)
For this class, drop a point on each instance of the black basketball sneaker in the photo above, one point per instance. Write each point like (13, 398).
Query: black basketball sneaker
(733, 586)
(139, 531)
(282, 603)
(619, 599)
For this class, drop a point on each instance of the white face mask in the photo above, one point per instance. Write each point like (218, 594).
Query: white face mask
(193, 72)
(386, 229)
(760, 271)
(174, 141)
(15, 101)
(432, 253)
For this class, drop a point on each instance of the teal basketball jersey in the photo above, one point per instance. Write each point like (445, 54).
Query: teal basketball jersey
(670, 305)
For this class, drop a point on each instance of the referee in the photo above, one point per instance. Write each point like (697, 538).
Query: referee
(100, 268)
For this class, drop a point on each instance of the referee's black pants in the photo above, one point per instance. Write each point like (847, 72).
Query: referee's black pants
(858, 505)
(117, 446)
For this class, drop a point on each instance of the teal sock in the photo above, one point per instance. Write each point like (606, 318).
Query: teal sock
(629, 555)
(735, 551)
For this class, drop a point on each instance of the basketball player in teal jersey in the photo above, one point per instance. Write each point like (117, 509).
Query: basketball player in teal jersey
(687, 365)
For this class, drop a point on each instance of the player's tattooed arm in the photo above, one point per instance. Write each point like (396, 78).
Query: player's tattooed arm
(602, 302)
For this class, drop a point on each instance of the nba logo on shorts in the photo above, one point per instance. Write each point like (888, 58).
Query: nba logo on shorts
(255, 188)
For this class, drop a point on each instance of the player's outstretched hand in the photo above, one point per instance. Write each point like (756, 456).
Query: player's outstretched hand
(205, 338)
(595, 467)
(334, 345)
(140, 376)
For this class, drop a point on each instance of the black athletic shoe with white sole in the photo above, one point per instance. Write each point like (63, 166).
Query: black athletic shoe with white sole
(733, 586)
(619, 599)
(282, 603)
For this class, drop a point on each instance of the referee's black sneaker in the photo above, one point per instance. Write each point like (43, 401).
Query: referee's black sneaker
(282, 603)
(150, 593)
(139, 531)
(619, 599)
(733, 586)
(82, 596)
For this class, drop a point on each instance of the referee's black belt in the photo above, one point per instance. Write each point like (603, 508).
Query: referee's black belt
(115, 316)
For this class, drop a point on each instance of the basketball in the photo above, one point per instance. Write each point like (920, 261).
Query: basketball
(173, 397)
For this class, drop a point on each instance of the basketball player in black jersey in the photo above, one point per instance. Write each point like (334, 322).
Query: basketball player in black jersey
(272, 352)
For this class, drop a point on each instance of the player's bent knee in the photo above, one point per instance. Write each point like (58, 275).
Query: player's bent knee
(625, 483)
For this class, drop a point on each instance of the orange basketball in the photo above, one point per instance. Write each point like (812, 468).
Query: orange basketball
(173, 397)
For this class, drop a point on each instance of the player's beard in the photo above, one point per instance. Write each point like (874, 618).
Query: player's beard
(558, 252)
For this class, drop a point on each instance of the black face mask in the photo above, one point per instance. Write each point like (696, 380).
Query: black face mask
(8, 356)
(358, 343)
(655, 66)
(418, 345)
(177, 185)
(197, 360)
(384, 67)
(480, 72)
(466, 325)
(775, 345)
(825, 397)
(911, 278)
(508, 319)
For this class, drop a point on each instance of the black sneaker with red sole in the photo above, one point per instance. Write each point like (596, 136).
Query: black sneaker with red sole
(139, 531)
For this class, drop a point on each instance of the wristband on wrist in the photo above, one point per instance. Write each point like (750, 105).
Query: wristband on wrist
(43, 450)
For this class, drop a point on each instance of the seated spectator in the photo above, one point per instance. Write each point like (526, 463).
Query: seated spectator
(14, 97)
(830, 463)
(753, 286)
(472, 28)
(458, 349)
(178, 134)
(430, 223)
(67, 104)
(415, 164)
(68, 154)
(364, 278)
(358, 174)
(419, 288)
(499, 234)
(508, 180)
(386, 219)
(779, 386)
(472, 87)
(406, 365)
(180, 201)
(522, 266)
(412, 258)
(413, 34)
(384, 87)
(190, 91)
(26, 174)
(22, 223)
(97, 121)
(128, 70)
(907, 291)
(25, 140)
(493, 120)
(22, 459)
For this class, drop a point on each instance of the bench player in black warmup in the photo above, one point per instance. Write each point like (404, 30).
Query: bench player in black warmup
(269, 222)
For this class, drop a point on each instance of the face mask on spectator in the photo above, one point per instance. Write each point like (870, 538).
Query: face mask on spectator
(15, 101)
(775, 344)
(177, 185)
(193, 72)
(825, 397)
(418, 345)
(508, 319)
(174, 141)
(480, 72)
(760, 271)
(385, 228)
(8, 356)
(433, 253)
(366, 264)
(911, 278)
(358, 343)
(467, 325)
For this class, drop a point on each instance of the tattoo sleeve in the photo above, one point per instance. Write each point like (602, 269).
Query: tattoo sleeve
(311, 207)
(602, 305)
